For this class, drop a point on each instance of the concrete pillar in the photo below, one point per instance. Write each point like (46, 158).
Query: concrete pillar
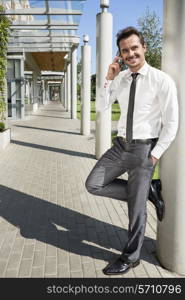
(68, 104)
(35, 92)
(47, 91)
(62, 92)
(42, 85)
(65, 83)
(86, 88)
(22, 89)
(74, 83)
(43, 92)
(103, 59)
(171, 231)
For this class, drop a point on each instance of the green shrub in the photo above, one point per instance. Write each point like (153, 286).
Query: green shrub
(4, 35)
(2, 126)
(2, 110)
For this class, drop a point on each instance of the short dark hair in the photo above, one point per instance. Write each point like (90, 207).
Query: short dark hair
(126, 32)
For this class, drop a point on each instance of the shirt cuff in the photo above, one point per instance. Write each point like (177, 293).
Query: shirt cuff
(107, 83)
(157, 151)
(102, 98)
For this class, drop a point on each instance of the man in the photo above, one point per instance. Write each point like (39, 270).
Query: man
(147, 126)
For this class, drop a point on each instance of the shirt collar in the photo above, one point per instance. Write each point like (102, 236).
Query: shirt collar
(143, 70)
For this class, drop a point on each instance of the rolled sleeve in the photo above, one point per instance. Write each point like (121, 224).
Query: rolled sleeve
(107, 94)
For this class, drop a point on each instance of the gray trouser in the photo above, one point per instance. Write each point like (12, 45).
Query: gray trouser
(134, 159)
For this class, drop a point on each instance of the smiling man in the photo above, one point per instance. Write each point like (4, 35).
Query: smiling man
(147, 126)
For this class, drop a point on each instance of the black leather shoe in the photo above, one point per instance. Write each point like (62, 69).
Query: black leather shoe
(156, 198)
(119, 267)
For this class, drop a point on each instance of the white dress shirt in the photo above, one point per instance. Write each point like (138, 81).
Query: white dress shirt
(155, 108)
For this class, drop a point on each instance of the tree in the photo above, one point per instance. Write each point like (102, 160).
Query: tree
(151, 28)
(79, 79)
(93, 87)
(4, 33)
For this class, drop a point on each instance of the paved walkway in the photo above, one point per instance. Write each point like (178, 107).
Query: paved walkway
(50, 226)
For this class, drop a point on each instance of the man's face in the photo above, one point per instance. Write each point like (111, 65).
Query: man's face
(133, 52)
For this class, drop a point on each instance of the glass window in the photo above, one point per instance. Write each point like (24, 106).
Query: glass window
(10, 69)
(17, 63)
(14, 68)
(18, 90)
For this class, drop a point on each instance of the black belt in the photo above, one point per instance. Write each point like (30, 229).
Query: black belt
(139, 141)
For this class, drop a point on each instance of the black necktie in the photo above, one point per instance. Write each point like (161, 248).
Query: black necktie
(131, 108)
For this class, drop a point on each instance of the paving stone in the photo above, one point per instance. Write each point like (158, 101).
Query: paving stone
(62, 257)
(11, 273)
(75, 263)
(51, 250)
(39, 258)
(28, 251)
(3, 263)
(100, 274)
(140, 271)
(5, 251)
(39, 246)
(50, 266)
(63, 271)
(25, 268)
(18, 245)
(10, 237)
(14, 260)
(77, 274)
(37, 272)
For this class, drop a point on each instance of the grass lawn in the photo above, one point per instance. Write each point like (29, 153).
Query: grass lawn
(115, 117)
(115, 111)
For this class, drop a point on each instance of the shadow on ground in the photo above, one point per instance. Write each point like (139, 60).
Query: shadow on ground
(54, 117)
(58, 150)
(47, 129)
(62, 227)
(53, 110)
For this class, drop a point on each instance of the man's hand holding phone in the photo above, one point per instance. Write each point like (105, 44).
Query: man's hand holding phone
(114, 68)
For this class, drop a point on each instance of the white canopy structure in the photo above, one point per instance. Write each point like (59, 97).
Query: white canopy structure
(43, 37)
(45, 28)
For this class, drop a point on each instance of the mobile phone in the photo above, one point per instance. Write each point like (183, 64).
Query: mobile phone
(120, 61)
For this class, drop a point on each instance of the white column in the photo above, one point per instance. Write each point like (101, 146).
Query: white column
(46, 91)
(86, 87)
(171, 231)
(35, 92)
(43, 92)
(22, 89)
(103, 59)
(68, 104)
(74, 83)
(65, 96)
(62, 87)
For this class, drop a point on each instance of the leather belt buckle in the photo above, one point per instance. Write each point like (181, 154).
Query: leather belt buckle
(124, 140)
(141, 141)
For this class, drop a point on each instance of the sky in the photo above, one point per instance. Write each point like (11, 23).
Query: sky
(125, 13)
